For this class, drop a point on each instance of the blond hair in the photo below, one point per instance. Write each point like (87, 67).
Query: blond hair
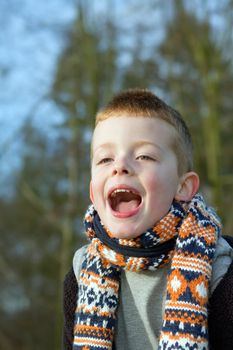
(143, 103)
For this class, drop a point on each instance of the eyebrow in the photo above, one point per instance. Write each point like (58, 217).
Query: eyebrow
(136, 144)
(144, 143)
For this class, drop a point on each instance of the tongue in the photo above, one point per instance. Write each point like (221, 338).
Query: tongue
(127, 206)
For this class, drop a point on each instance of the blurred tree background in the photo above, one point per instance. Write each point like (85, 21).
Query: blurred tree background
(181, 50)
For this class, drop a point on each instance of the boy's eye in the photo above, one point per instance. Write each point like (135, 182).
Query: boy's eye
(104, 161)
(145, 157)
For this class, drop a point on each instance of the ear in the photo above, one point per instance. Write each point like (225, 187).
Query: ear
(188, 187)
(91, 193)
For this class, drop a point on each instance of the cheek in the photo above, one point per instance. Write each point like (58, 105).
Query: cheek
(154, 183)
(97, 192)
(161, 188)
(94, 189)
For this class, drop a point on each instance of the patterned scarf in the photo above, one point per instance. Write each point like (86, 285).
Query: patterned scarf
(186, 236)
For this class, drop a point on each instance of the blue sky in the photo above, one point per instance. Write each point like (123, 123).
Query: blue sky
(30, 42)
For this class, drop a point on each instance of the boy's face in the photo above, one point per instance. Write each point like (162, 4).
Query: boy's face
(134, 173)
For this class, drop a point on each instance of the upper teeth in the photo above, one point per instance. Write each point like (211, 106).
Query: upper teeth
(119, 190)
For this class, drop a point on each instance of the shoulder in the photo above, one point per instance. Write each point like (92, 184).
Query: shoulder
(70, 291)
(78, 259)
(71, 278)
(222, 261)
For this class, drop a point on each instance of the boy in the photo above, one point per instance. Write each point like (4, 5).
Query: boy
(156, 257)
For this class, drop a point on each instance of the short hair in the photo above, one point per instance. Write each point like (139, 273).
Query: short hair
(143, 103)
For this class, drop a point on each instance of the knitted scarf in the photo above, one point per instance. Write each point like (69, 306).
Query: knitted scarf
(186, 236)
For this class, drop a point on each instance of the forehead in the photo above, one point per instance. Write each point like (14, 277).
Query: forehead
(133, 129)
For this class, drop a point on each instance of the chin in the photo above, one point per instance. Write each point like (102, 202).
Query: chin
(121, 233)
(124, 236)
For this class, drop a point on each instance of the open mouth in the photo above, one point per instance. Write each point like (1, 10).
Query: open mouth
(123, 200)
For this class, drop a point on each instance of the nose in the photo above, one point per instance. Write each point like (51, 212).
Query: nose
(122, 167)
